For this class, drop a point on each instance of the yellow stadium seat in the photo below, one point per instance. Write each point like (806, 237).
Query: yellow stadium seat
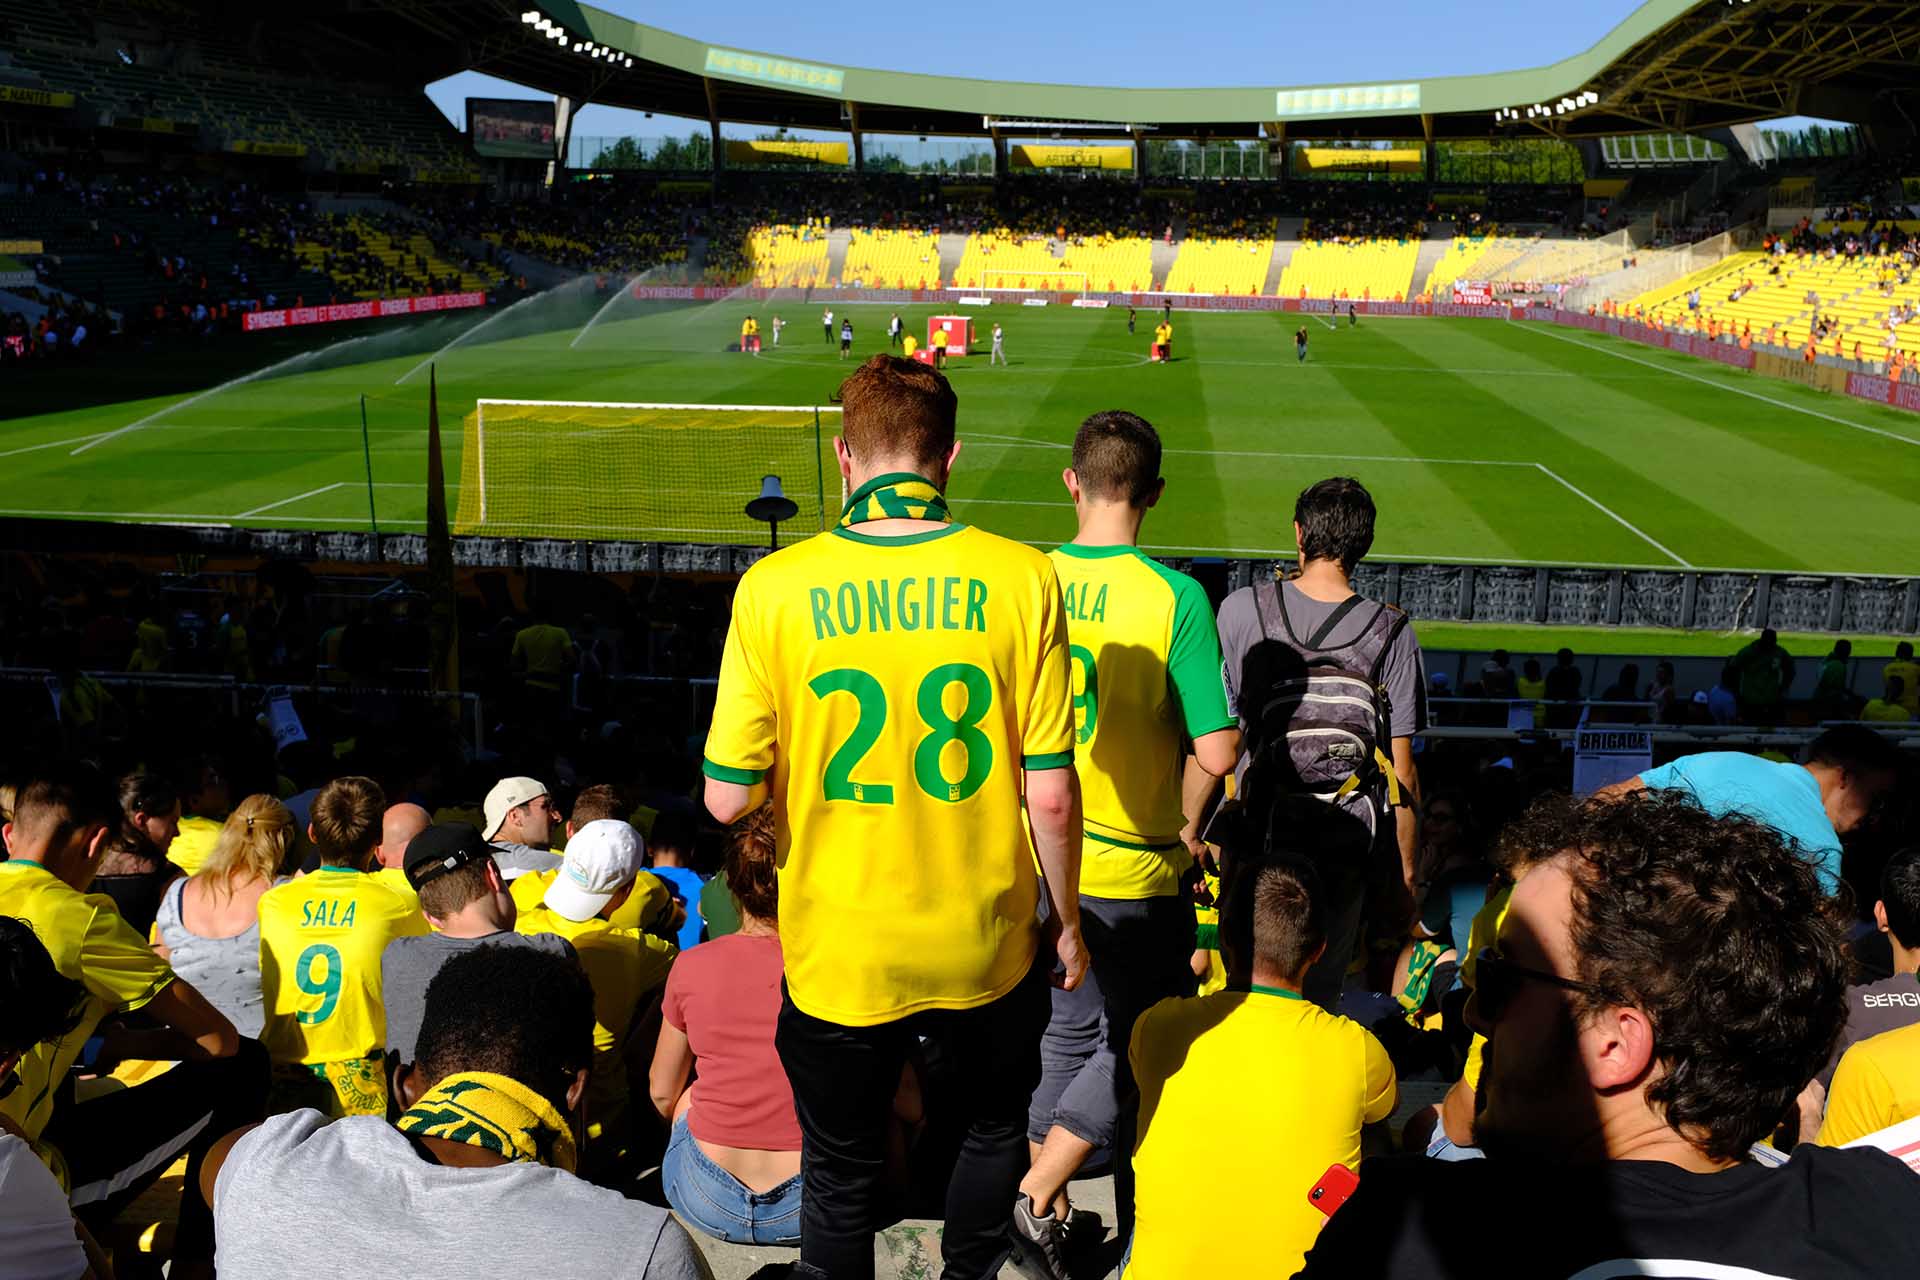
(1228, 266)
(890, 258)
(1378, 269)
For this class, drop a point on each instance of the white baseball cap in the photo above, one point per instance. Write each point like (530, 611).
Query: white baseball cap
(602, 857)
(509, 794)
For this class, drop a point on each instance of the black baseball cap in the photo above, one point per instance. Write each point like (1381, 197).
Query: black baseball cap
(442, 848)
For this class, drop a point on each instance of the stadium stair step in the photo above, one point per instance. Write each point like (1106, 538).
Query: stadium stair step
(837, 241)
(953, 247)
(1164, 256)
(1432, 251)
(1286, 238)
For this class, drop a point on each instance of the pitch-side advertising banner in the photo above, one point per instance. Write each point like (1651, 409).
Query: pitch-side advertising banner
(371, 309)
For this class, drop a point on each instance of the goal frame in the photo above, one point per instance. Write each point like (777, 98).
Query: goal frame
(480, 427)
(987, 278)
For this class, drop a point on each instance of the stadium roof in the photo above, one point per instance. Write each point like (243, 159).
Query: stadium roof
(1671, 65)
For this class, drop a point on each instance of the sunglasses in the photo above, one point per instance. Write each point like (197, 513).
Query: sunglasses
(1497, 980)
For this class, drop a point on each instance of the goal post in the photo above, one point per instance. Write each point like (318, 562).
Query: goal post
(611, 471)
(1017, 281)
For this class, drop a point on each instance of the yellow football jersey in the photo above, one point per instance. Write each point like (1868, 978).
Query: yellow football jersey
(1146, 677)
(89, 943)
(395, 879)
(892, 690)
(190, 849)
(321, 938)
(642, 909)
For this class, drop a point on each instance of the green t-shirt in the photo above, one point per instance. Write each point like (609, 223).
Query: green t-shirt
(718, 908)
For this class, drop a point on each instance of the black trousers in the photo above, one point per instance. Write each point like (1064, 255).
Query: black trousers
(118, 1145)
(844, 1079)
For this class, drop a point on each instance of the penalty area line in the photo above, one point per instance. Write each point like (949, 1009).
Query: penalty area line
(1611, 514)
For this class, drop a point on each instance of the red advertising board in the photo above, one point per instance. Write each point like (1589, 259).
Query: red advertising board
(1472, 293)
(290, 317)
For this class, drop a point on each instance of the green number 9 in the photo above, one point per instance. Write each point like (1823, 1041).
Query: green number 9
(1086, 703)
(327, 987)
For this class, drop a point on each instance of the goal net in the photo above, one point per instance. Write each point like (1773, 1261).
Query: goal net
(640, 472)
(1034, 281)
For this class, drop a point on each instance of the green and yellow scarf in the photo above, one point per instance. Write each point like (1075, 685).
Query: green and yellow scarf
(495, 1113)
(898, 496)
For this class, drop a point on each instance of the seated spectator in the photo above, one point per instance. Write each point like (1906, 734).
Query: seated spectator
(650, 906)
(1890, 706)
(1667, 708)
(463, 897)
(627, 967)
(1813, 804)
(1908, 670)
(134, 870)
(1832, 697)
(520, 821)
(204, 806)
(321, 940)
(1664, 981)
(1533, 685)
(1876, 1087)
(398, 827)
(209, 923)
(112, 1146)
(1497, 679)
(670, 857)
(1877, 1007)
(732, 1166)
(477, 1175)
(1256, 1085)
(39, 1236)
(1563, 686)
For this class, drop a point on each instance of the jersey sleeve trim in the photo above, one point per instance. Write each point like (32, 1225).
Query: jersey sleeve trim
(1049, 760)
(727, 773)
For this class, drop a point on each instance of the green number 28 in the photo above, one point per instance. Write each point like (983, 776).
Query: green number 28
(326, 987)
(929, 701)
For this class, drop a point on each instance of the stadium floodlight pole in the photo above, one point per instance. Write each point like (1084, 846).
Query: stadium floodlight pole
(772, 506)
(366, 448)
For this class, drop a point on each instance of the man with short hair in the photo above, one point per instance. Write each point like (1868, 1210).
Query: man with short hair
(463, 897)
(1762, 673)
(321, 940)
(544, 658)
(1254, 1084)
(897, 688)
(1146, 680)
(113, 1145)
(475, 1177)
(1893, 1002)
(1908, 671)
(1847, 771)
(398, 828)
(650, 906)
(520, 816)
(999, 353)
(1664, 983)
(628, 968)
(1318, 612)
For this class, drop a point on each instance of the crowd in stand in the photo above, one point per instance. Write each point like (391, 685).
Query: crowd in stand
(960, 909)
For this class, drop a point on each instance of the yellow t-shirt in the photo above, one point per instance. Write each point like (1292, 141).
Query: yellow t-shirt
(1146, 674)
(1885, 712)
(1909, 673)
(89, 943)
(1877, 1085)
(544, 647)
(895, 689)
(1486, 928)
(191, 848)
(649, 900)
(911, 344)
(395, 878)
(1254, 1093)
(1163, 334)
(624, 966)
(321, 938)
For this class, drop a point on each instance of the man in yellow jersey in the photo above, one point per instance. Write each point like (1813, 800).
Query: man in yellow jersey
(398, 827)
(627, 967)
(1255, 1085)
(544, 658)
(110, 1148)
(204, 804)
(1146, 681)
(1908, 671)
(650, 906)
(321, 939)
(894, 686)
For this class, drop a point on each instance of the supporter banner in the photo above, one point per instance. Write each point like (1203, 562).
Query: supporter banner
(780, 71)
(248, 147)
(786, 151)
(291, 317)
(1027, 155)
(23, 246)
(1821, 377)
(1602, 757)
(1356, 159)
(20, 95)
(1472, 293)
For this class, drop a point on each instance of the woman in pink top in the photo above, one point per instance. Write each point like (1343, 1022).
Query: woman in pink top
(732, 1166)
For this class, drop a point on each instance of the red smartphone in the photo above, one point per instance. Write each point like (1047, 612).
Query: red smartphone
(1335, 1185)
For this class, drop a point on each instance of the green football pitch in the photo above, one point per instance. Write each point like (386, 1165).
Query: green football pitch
(1483, 441)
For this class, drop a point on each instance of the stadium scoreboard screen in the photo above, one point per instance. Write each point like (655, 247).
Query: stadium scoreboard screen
(511, 128)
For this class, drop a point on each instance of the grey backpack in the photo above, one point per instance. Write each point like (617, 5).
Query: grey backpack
(1323, 728)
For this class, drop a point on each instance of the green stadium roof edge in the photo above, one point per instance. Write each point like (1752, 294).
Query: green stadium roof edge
(1688, 66)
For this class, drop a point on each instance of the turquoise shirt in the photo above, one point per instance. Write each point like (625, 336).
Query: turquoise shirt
(1784, 796)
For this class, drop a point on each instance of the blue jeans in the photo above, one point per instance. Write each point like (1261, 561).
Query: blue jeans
(719, 1204)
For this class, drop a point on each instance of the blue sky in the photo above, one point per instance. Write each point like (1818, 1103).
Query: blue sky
(1128, 43)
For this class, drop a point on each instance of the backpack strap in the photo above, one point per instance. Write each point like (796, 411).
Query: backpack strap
(1334, 619)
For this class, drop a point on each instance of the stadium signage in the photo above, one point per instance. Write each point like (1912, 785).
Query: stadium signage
(20, 95)
(1602, 757)
(786, 151)
(975, 300)
(1098, 304)
(22, 246)
(1346, 100)
(1472, 293)
(805, 76)
(1868, 386)
(291, 317)
(1027, 155)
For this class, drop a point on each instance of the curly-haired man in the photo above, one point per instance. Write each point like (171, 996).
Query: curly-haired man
(1664, 983)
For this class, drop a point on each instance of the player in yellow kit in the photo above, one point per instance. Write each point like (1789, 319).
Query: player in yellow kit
(1146, 683)
(894, 687)
(321, 938)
